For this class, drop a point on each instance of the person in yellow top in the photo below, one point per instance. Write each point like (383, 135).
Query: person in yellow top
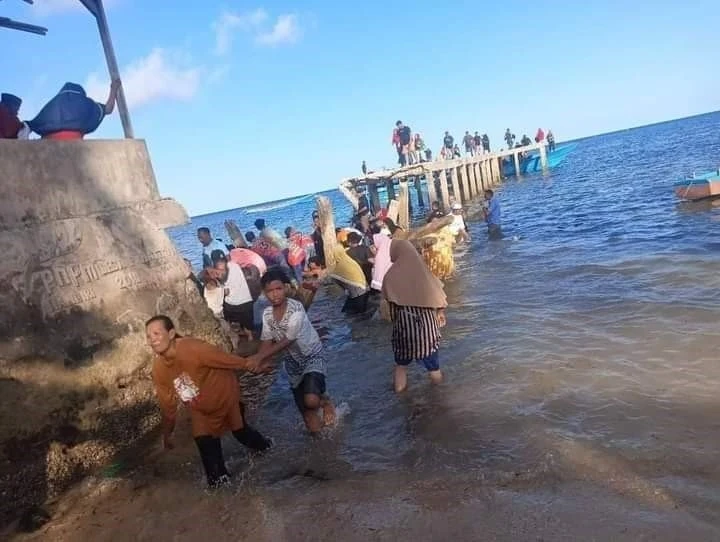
(202, 377)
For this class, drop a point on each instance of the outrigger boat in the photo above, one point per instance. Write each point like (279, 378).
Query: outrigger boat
(697, 187)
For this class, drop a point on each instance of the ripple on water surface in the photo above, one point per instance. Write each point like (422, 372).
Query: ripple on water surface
(584, 342)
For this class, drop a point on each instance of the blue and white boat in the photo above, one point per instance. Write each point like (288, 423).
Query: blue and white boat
(530, 163)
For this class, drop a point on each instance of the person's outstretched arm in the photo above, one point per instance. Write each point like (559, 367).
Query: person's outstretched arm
(112, 98)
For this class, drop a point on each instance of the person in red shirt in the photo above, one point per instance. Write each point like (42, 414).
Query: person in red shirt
(540, 136)
(10, 124)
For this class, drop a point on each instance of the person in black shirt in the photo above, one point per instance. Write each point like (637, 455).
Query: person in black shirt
(318, 240)
(436, 212)
(364, 168)
(477, 142)
(364, 210)
(448, 141)
(486, 143)
(362, 254)
(468, 143)
(404, 134)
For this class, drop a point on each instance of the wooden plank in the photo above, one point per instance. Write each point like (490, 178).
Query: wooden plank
(464, 189)
(478, 178)
(493, 171)
(418, 191)
(471, 179)
(374, 198)
(516, 159)
(393, 210)
(455, 184)
(423, 167)
(432, 191)
(390, 187)
(348, 191)
(444, 190)
(327, 227)
(403, 205)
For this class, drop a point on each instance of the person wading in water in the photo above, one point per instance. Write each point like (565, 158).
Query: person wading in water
(287, 329)
(202, 377)
(417, 309)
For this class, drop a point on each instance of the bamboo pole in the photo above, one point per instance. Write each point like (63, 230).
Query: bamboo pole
(403, 205)
(327, 227)
(112, 64)
(444, 190)
(516, 159)
(478, 178)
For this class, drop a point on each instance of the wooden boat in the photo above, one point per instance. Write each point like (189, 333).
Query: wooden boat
(531, 162)
(697, 187)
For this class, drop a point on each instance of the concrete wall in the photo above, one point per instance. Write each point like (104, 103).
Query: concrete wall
(83, 263)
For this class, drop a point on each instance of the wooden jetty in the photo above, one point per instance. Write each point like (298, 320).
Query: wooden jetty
(458, 180)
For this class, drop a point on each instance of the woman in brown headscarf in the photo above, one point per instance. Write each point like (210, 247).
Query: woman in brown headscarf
(417, 308)
(201, 376)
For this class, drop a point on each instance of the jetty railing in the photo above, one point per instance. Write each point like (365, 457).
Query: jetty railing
(466, 177)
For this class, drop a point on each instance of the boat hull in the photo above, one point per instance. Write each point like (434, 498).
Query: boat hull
(699, 187)
(531, 162)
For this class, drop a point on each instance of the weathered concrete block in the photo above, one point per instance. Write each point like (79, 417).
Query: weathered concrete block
(85, 263)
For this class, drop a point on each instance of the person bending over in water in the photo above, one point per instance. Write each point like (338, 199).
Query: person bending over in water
(202, 377)
(417, 309)
(286, 327)
(458, 227)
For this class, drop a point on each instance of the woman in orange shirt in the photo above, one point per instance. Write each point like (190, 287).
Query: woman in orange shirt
(203, 378)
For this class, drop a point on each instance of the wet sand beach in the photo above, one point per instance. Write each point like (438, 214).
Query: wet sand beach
(581, 393)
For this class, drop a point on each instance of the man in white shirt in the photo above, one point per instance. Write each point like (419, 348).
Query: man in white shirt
(209, 245)
(238, 302)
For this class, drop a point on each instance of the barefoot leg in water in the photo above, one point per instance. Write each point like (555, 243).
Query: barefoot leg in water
(436, 377)
(400, 378)
(328, 408)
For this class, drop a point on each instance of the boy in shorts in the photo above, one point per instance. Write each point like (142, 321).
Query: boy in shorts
(287, 328)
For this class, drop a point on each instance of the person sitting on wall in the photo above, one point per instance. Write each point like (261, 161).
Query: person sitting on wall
(10, 124)
(71, 114)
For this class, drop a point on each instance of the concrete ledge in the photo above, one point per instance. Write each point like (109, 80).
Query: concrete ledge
(43, 180)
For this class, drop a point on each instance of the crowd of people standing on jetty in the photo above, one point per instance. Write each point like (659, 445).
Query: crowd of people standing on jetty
(370, 261)
(412, 149)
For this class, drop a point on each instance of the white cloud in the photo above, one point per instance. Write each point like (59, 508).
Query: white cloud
(228, 23)
(285, 30)
(158, 76)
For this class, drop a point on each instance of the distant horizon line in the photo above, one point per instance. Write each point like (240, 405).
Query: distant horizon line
(577, 139)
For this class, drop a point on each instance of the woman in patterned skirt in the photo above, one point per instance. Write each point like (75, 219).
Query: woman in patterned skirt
(417, 308)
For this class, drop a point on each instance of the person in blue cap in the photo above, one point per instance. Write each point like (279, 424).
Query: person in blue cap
(10, 124)
(71, 114)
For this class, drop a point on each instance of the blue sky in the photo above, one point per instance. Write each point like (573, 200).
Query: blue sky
(245, 102)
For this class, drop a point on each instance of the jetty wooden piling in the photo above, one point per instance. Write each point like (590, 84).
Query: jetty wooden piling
(467, 178)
